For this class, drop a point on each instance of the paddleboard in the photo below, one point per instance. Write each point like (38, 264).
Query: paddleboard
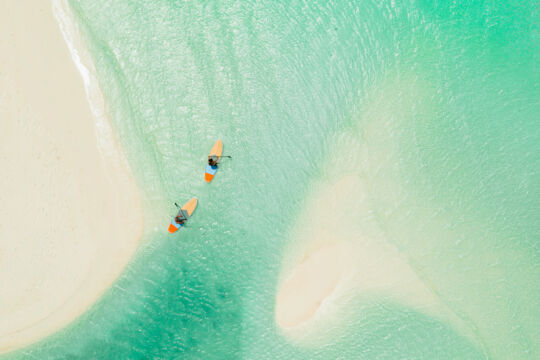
(216, 151)
(185, 212)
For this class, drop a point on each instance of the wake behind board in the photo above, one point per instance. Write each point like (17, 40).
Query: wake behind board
(216, 151)
(185, 212)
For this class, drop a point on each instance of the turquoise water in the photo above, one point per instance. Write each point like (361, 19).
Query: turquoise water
(434, 105)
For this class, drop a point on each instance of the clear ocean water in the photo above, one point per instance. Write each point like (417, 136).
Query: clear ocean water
(435, 105)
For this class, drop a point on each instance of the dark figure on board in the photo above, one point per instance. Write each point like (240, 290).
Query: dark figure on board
(213, 161)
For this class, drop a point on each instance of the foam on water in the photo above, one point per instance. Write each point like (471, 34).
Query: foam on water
(421, 115)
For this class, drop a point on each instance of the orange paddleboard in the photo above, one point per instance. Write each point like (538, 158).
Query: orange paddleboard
(185, 212)
(216, 151)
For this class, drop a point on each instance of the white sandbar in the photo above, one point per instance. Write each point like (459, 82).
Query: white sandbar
(310, 283)
(71, 216)
(343, 257)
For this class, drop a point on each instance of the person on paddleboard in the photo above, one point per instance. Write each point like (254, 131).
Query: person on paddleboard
(213, 161)
(178, 219)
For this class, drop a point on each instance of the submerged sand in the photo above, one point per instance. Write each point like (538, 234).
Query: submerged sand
(346, 258)
(338, 252)
(342, 255)
(71, 217)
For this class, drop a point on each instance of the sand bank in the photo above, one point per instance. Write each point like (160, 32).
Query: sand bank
(338, 252)
(310, 283)
(71, 217)
(344, 254)
(346, 257)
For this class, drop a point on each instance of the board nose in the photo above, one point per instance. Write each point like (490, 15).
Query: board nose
(208, 177)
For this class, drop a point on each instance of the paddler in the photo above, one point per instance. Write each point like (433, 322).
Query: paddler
(213, 161)
(179, 220)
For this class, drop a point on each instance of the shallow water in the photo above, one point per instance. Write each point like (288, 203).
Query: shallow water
(432, 107)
